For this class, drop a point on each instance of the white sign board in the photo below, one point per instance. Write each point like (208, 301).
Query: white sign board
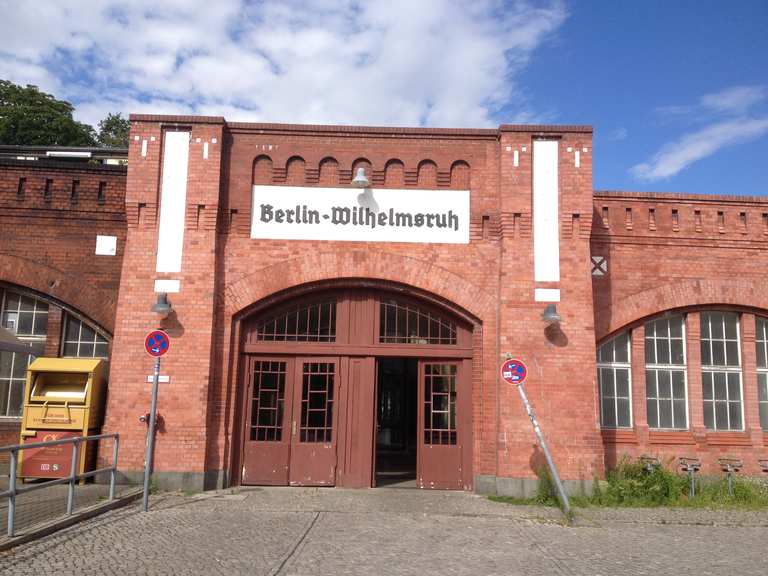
(381, 215)
(106, 245)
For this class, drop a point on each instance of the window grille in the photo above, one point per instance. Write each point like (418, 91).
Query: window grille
(440, 404)
(614, 378)
(82, 340)
(761, 343)
(317, 402)
(404, 323)
(665, 373)
(268, 401)
(721, 371)
(314, 322)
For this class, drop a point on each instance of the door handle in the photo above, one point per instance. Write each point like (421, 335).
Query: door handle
(293, 428)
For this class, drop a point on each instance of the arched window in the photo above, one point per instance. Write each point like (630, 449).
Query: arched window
(614, 378)
(302, 322)
(665, 374)
(82, 341)
(25, 317)
(721, 371)
(405, 323)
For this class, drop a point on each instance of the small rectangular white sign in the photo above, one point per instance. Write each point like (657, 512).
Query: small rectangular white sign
(161, 379)
(106, 245)
(380, 215)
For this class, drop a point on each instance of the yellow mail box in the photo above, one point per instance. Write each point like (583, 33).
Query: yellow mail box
(64, 394)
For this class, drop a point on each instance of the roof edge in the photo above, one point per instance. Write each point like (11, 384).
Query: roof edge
(676, 197)
(360, 130)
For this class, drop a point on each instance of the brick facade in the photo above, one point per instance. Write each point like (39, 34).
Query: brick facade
(664, 252)
(50, 215)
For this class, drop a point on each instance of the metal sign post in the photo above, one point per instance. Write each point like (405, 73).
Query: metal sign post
(156, 344)
(515, 372)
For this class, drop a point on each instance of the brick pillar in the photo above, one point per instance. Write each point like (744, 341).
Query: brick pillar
(639, 411)
(559, 357)
(695, 391)
(180, 457)
(54, 332)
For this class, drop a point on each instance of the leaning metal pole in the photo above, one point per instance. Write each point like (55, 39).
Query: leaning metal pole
(151, 436)
(562, 496)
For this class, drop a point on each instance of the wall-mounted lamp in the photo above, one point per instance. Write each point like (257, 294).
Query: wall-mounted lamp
(550, 315)
(162, 307)
(360, 180)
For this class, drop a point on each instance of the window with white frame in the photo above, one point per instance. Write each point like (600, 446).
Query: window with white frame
(81, 340)
(721, 371)
(665, 375)
(613, 375)
(761, 343)
(27, 318)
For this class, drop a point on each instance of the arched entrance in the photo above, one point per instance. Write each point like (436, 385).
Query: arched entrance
(357, 387)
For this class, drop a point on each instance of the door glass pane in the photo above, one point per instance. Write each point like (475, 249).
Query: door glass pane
(267, 400)
(440, 403)
(316, 424)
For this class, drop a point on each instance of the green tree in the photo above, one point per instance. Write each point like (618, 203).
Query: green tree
(113, 131)
(31, 117)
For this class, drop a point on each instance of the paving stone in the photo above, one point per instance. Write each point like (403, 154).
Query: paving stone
(287, 531)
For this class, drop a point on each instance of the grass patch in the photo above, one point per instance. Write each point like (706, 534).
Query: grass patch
(630, 484)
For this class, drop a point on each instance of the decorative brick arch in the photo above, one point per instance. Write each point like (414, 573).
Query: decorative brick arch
(688, 293)
(325, 266)
(69, 289)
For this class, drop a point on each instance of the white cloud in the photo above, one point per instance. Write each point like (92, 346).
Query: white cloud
(727, 121)
(402, 62)
(734, 100)
(618, 134)
(675, 156)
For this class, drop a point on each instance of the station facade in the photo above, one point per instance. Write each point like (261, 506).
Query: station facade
(343, 297)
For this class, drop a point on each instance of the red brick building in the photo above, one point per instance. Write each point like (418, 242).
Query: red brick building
(343, 298)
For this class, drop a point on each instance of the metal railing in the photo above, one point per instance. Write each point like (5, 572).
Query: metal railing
(72, 479)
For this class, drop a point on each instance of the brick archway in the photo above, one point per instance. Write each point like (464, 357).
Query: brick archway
(97, 305)
(690, 293)
(421, 274)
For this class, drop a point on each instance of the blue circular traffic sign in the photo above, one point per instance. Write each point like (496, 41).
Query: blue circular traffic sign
(157, 343)
(514, 371)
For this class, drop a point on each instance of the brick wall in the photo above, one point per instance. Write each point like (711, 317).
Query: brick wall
(50, 215)
(683, 253)
(225, 273)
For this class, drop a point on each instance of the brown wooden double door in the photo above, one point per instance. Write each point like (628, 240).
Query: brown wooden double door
(311, 421)
(291, 437)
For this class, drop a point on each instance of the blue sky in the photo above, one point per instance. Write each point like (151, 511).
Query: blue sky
(677, 91)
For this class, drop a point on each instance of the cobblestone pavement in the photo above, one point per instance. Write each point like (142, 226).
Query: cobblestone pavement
(388, 531)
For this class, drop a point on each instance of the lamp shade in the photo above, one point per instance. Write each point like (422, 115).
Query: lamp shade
(162, 306)
(550, 315)
(360, 180)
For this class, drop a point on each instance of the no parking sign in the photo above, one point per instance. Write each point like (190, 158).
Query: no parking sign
(514, 371)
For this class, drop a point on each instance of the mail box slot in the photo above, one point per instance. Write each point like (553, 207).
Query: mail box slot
(63, 397)
(65, 386)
